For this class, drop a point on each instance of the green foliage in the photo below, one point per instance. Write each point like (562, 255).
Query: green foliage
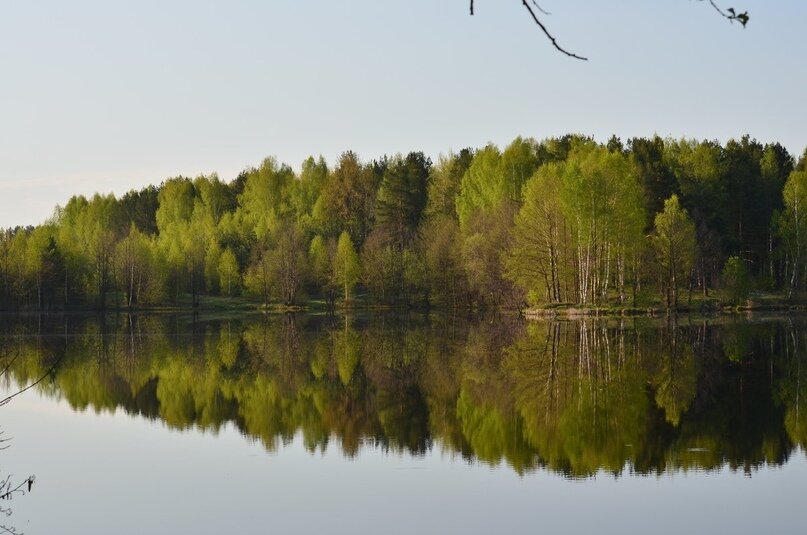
(675, 246)
(736, 280)
(495, 177)
(287, 263)
(321, 255)
(349, 198)
(229, 276)
(265, 199)
(175, 202)
(445, 271)
(579, 228)
(563, 220)
(445, 181)
(481, 185)
(793, 229)
(381, 268)
(402, 197)
(346, 267)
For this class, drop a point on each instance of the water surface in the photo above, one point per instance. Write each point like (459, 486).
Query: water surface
(302, 424)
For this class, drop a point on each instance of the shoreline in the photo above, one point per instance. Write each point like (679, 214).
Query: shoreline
(240, 306)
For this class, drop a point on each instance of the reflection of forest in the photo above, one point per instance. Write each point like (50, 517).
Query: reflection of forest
(574, 397)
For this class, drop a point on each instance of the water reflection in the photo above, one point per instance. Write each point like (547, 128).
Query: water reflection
(639, 396)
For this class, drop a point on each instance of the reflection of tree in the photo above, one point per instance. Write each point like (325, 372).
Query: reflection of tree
(582, 401)
(676, 375)
(793, 388)
(569, 396)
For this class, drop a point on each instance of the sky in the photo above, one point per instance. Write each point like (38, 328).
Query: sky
(107, 96)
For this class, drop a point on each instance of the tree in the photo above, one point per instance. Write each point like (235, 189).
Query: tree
(45, 268)
(381, 267)
(265, 200)
(445, 183)
(229, 277)
(793, 228)
(654, 174)
(495, 178)
(602, 201)
(441, 244)
(258, 276)
(402, 197)
(306, 192)
(349, 196)
(321, 256)
(288, 263)
(140, 208)
(132, 258)
(535, 261)
(675, 246)
(580, 228)
(346, 264)
(736, 280)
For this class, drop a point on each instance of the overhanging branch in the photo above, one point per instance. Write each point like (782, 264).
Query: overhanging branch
(731, 14)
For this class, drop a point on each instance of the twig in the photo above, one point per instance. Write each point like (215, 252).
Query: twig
(9, 364)
(539, 8)
(549, 35)
(12, 396)
(9, 493)
(731, 14)
(3, 441)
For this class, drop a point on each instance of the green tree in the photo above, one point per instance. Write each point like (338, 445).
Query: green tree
(349, 196)
(445, 183)
(675, 247)
(306, 191)
(537, 257)
(288, 263)
(736, 280)
(657, 180)
(441, 244)
(494, 178)
(321, 256)
(265, 200)
(132, 263)
(793, 228)
(229, 276)
(347, 269)
(402, 197)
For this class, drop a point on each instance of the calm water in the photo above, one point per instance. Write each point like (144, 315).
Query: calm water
(306, 424)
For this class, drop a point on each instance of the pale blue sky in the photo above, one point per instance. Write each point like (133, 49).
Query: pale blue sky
(112, 95)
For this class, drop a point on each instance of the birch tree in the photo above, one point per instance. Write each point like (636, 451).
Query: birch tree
(675, 247)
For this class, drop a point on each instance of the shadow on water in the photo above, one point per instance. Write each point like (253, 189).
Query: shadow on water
(637, 396)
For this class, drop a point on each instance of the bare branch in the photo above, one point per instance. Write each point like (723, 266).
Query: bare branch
(12, 396)
(549, 35)
(539, 8)
(8, 365)
(730, 13)
(9, 492)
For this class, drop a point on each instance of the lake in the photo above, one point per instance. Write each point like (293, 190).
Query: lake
(386, 423)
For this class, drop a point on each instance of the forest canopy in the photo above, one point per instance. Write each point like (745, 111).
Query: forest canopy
(561, 220)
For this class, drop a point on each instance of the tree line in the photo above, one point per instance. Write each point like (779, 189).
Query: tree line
(562, 220)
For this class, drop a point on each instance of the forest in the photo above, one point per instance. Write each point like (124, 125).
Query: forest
(568, 220)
